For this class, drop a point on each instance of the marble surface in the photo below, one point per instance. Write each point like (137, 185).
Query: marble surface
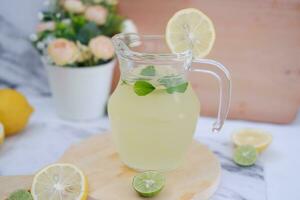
(237, 183)
(275, 177)
(47, 137)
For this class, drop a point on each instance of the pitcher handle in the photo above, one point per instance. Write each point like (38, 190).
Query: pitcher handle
(222, 74)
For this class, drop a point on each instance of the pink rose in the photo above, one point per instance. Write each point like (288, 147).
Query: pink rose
(45, 26)
(102, 47)
(63, 51)
(96, 14)
(74, 6)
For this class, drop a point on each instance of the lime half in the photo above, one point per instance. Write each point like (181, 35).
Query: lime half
(245, 155)
(20, 195)
(149, 183)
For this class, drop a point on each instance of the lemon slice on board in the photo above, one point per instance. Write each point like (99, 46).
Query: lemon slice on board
(59, 181)
(190, 29)
(2, 135)
(255, 137)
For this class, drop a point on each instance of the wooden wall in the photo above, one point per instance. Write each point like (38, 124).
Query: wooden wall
(257, 40)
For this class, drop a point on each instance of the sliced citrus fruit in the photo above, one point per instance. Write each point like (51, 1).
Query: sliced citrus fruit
(190, 29)
(245, 155)
(59, 181)
(149, 183)
(257, 138)
(2, 135)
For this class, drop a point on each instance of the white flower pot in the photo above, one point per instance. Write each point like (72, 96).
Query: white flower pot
(80, 93)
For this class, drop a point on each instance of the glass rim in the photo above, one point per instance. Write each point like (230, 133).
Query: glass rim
(125, 51)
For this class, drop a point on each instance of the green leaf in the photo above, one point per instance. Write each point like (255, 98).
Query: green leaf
(87, 32)
(179, 88)
(148, 71)
(54, 14)
(142, 88)
(123, 82)
(20, 195)
(48, 16)
(91, 62)
(170, 81)
(78, 21)
(112, 25)
(65, 31)
(43, 35)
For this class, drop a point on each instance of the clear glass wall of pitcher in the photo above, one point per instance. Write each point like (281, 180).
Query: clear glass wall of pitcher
(154, 110)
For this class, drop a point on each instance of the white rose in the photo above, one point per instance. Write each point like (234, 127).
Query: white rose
(129, 27)
(96, 14)
(85, 53)
(40, 16)
(102, 47)
(66, 21)
(74, 6)
(45, 26)
(62, 51)
(33, 37)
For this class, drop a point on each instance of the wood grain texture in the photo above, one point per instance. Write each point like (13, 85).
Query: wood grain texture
(110, 179)
(10, 184)
(258, 41)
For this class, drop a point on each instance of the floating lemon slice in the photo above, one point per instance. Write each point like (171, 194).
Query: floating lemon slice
(257, 138)
(59, 181)
(190, 29)
(2, 135)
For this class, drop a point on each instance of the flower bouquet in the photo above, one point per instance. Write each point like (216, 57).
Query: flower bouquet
(74, 40)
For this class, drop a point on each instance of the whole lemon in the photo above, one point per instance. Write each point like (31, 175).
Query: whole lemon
(14, 111)
(2, 136)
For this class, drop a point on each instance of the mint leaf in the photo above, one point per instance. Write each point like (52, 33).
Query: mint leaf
(179, 88)
(170, 81)
(148, 71)
(142, 88)
(123, 82)
(20, 194)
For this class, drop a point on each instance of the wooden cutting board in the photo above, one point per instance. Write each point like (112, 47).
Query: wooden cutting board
(110, 179)
(258, 41)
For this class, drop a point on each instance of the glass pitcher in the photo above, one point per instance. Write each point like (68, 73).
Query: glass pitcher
(154, 110)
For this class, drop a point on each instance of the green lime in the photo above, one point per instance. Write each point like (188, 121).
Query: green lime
(149, 183)
(245, 155)
(20, 195)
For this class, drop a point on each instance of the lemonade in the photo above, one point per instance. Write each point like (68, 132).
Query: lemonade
(153, 131)
(154, 110)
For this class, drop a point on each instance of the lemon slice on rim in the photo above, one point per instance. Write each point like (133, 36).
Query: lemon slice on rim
(59, 181)
(190, 29)
(255, 137)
